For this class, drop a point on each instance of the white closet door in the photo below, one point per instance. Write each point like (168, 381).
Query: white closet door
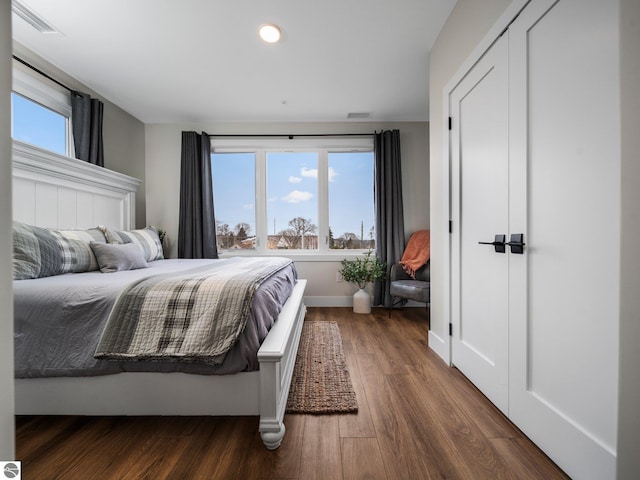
(480, 202)
(564, 156)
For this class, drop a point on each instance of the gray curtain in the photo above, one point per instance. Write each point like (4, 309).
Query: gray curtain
(86, 124)
(197, 223)
(389, 209)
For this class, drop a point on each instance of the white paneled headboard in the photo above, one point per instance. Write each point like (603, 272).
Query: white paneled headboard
(51, 190)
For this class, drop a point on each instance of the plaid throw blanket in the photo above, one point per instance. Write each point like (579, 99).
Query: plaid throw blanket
(193, 316)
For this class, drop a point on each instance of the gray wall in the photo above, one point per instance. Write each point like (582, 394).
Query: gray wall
(123, 133)
(163, 194)
(629, 376)
(7, 436)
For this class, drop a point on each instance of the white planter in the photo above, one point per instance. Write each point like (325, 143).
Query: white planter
(361, 301)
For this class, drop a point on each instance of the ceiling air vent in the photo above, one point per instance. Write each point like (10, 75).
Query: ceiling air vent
(359, 115)
(32, 18)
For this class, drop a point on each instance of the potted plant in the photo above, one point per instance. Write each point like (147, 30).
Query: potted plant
(361, 271)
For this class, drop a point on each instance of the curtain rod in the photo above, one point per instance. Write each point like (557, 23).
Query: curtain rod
(41, 73)
(291, 136)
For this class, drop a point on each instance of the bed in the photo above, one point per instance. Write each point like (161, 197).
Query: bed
(59, 192)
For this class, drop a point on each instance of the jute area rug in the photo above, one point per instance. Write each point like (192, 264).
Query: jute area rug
(321, 382)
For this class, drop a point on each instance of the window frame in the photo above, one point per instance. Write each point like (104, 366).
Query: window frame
(322, 146)
(48, 95)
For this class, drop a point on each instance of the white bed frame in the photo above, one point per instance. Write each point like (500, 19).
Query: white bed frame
(55, 191)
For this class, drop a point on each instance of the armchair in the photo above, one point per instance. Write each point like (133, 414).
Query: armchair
(403, 286)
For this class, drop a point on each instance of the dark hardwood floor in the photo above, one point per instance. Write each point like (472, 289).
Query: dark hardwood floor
(418, 419)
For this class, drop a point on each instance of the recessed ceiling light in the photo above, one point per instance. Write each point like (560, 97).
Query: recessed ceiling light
(270, 33)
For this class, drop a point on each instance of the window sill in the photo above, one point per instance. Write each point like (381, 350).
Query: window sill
(297, 256)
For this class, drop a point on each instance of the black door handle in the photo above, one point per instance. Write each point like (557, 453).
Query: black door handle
(498, 243)
(516, 244)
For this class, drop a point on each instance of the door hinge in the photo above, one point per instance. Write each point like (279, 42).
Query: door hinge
(450, 226)
(450, 123)
(451, 329)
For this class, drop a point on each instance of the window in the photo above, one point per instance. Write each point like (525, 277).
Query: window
(292, 200)
(351, 212)
(299, 195)
(40, 114)
(234, 200)
(32, 123)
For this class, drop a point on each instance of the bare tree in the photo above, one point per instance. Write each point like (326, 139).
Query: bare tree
(224, 234)
(222, 228)
(292, 239)
(242, 226)
(301, 227)
(350, 240)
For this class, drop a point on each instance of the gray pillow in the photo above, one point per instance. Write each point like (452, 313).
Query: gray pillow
(118, 257)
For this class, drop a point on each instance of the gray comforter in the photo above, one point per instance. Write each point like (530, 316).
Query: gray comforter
(59, 321)
(190, 316)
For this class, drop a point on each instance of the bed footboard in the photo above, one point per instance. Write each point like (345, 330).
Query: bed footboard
(277, 357)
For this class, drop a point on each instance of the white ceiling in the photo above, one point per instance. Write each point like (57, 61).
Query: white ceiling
(170, 61)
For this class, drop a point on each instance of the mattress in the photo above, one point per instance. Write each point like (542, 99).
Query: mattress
(58, 322)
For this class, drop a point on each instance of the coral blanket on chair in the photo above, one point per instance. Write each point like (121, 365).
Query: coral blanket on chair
(417, 252)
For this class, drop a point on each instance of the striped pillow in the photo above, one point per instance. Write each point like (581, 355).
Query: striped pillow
(44, 252)
(82, 257)
(89, 235)
(147, 238)
(36, 252)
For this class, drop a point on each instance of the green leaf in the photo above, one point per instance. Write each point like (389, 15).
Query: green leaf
(363, 270)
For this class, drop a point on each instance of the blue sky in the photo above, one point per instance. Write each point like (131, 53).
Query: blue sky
(35, 124)
(292, 190)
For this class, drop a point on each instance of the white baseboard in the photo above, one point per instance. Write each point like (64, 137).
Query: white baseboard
(329, 301)
(345, 301)
(437, 344)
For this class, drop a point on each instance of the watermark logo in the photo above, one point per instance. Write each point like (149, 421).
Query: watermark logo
(10, 470)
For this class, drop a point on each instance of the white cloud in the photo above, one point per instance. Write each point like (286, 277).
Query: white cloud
(309, 172)
(248, 206)
(297, 196)
(313, 173)
(293, 179)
